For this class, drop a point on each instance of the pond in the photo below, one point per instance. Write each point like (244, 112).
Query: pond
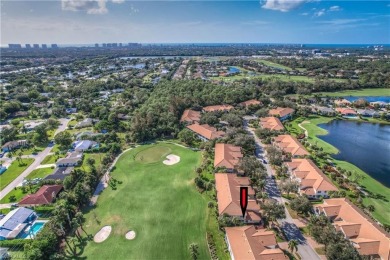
(365, 145)
(233, 70)
(370, 99)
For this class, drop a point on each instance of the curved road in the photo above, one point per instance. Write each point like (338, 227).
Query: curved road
(38, 159)
(289, 228)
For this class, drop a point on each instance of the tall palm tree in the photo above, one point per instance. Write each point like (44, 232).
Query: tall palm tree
(20, 156)
(293, 245)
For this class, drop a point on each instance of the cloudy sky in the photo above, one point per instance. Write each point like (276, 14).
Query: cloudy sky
(266, 21)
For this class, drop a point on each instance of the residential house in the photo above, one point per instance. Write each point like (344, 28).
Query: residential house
(15, 222)
(82, 145)
(71, 110)
(252, 102)
(283, 113)
(228, 197)
(44, 196)
(85, 123)
(227, 156)
(123, 117)
(324, 111)
(366, 235)
(379, 104)
(312, 181)
(206, 132)
(190, 116)
(11, 145)
(223, 108)
(346, 112)
(289, 144)
(271, 123)
(247, 242)
(342, 102)
(368, 113)
(60, 173)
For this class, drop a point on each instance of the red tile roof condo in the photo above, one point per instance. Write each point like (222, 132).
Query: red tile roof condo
(281, 111)
(248, 103)
(366, 236)
(228, 196)
(45, 195)
(290, 144)
(271, 123)
(218, 108)
(247, 242)
(190, 116)
(206, 131)
(227, 155)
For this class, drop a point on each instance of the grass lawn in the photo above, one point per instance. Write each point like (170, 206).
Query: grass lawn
(50, 159)
(160, 203)
(359, 92)
(293, 213)
(13, 171)
(96, 156)
(18, 193)
(381, 212)
(28, 151)
(40, 173)
(273, 64)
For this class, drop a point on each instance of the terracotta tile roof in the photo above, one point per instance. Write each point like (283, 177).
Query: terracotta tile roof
(206, 131)
(45, 195)
(248, 243)
(367, 236)
(250, 102)
(281, 111)
(346, 111)
(227, 155)
(228, 195)
(339, 102)
(310, 175)
(290, 144)
(217, 108)
(271, 123)
(190, 116)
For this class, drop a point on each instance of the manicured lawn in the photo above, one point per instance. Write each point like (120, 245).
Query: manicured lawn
(96, 156)
(273, 64)
(160, 203)
(50, 159)
(27, 151)
(13, 171)
(40, 173)
(18, 193)
(359, 92)
(152, 154)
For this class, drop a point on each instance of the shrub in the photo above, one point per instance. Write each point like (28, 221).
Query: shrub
(14, 242)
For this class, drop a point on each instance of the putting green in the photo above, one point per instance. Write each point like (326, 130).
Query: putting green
(153, 154)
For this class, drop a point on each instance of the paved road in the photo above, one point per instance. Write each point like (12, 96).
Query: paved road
(38, 159)
(289, 228)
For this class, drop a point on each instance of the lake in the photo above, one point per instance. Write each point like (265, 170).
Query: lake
(370, 99)
(365, 145)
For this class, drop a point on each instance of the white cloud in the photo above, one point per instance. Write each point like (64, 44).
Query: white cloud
(133, 10)
(320, 13)
(282, 5)
(335, 8)
(255, 22)
(89, 6)
(305, 14)
(341, 21)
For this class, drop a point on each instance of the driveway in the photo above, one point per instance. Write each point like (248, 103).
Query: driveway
(38, 159)
(287, 225)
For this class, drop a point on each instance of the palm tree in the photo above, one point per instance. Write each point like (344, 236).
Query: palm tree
(20, 156)
(80, 219)
(293, 245)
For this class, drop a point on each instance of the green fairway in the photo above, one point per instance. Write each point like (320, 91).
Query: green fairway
(273, 64)
(13, 171)
(359, 92)
(152, 154)
(160, 203)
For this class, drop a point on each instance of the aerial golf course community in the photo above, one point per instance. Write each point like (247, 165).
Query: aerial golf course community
(158, 202)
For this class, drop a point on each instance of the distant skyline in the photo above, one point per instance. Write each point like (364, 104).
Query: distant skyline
(266, 21)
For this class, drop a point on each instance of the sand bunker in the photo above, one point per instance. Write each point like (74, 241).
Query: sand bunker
(103, 234)
(130, 235)
(171, 159)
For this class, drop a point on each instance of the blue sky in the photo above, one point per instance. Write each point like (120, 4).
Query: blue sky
(266, 21)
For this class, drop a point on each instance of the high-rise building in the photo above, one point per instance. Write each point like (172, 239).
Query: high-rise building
(28, 46)
(36, 46)
(14, 46)
(96, 45)
(120, 44)
(109, 45)
(104, 45)
(44, 46)
(114, 44)
(54, 46)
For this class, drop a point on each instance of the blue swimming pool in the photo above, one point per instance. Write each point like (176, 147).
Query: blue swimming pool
(30, 233)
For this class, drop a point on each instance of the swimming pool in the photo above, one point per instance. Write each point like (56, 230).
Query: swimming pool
(32, 231)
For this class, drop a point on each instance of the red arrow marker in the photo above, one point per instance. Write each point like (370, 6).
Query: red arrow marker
(243, 199)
